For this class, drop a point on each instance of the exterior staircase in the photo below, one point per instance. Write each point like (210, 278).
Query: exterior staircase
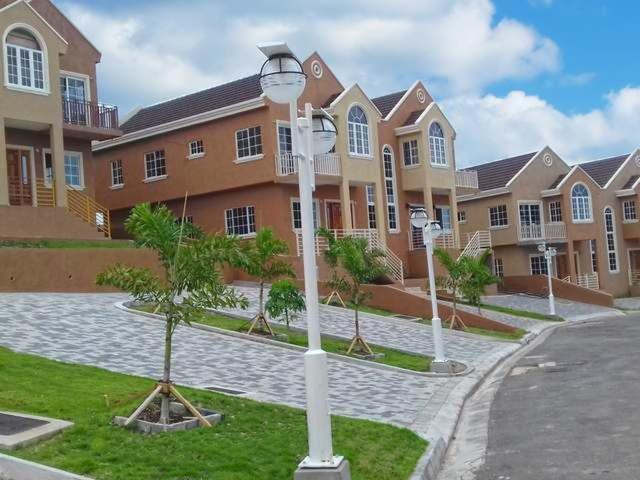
(476, 244)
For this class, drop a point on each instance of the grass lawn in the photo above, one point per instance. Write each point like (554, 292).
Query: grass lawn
(255, 440)
(518, 313)
(514, 336)
(391, 356)
(66, 244)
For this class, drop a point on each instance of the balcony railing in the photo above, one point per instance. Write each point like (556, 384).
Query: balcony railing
(466, 179)
(587, 280)
(325, 164)
(549, 231)
(89, 114)
(447, 239)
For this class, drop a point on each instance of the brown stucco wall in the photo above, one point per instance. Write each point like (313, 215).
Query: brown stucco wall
(44, 224)
(537, 285)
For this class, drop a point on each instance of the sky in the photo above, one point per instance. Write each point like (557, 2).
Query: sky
(511, 75)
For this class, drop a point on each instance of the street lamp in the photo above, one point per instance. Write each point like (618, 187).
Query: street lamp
(431, 230)
(549, 253)
(283, 80)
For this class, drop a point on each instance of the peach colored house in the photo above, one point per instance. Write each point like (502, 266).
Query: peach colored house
(229, 149)
(49, 116)
(587, 211)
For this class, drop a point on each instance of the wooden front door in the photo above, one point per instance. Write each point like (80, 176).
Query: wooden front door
(19, 176)
(562, 268)
(334, 216)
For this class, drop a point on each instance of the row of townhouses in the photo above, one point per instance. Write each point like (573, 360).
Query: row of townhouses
(70, 169)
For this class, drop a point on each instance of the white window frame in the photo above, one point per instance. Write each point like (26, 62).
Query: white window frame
(543, 261)
(81, 185)
(282, 124)
(251, 157)
(437, 144)
(117, 185)
(45, 61)
(498, 267)
(613, 235)
(195, 149)
(316, 214)
(462, 216)
(247, 215)
(558, 212)
(364, 130)
(593, 246)
(589, 204)
(628, 207)
(155, 178)
(414, 154)
(506, 212)
(394, 186)
(372, 214)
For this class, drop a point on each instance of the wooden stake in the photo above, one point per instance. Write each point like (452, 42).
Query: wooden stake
(335, 294)
(191, 408)
(454, 320)
(260, 319)
(358, 340)
(144, 405)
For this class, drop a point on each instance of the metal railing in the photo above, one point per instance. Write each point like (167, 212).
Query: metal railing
(324, 164)
(476, 243)
(447, 239)
(45, 193)
(548, 231)
(89, 114)
(588, 280)
(88, 210)
(634, 278)
(466, 179)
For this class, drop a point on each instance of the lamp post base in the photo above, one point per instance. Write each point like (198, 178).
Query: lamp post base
(442, 367)
(341, 471)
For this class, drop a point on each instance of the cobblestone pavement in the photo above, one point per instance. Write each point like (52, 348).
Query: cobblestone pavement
(385, 331)
(88, 329)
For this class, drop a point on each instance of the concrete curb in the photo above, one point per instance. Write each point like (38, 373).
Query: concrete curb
(12, 468)
(342, 358)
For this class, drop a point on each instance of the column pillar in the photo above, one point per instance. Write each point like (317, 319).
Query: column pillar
(381, 212)
(571, 261)
(428, 202)
(454, 217)
(57, 151)
(4, 171)
(345, 203)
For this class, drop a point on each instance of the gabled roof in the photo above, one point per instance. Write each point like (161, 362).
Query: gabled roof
(631, 182)
(557, 181)
(224, 95)
(386, 103)
(498, 174)
(413, 116)
(603, 170)
(30, 7)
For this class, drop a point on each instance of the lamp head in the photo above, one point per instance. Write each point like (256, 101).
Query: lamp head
(434, 228)
(282, 78)
(324, 133)
(542, 247)
(419, 218)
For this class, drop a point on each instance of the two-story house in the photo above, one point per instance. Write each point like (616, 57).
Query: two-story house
(228, 149)
(49, 116)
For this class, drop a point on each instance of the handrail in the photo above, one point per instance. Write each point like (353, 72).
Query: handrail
(480, 241)
(45, 193)
(447, 240)
(89, 114)
(323, 164)
(90, 211)
(466, 179)
(541, 231)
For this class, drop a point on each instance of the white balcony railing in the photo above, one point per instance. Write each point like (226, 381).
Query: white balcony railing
(325, 164)
(549, 231)
(587, 280)
(447, 239)
(466, 179)
(477, 243)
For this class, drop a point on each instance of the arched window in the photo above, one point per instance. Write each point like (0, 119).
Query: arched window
(25, 61)
(390, 188)
(358, 127)
(436, 145)
(581, 203)
(610, 234)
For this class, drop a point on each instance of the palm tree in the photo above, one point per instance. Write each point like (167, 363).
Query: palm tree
(191, 263)
(457, 276)
(330, 255)
(263, 263)
(479, 278)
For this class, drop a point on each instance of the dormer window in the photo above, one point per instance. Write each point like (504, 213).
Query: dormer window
(25, 64)
(436, 145)
(358, 129)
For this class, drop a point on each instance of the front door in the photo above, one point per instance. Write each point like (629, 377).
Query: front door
(562, 269)
(334, 216)
(19, 176)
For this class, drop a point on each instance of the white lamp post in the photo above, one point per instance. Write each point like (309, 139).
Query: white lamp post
(283, 80)
(549, 253)
(431, 230)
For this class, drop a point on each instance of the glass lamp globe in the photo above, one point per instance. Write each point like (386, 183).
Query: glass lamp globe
(435, 229)
(324, 134)
(419, 218)
(282, 78)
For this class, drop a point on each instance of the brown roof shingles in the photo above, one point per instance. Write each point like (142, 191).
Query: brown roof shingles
(497, 174)
(193, 104)
(413, 116)
(632, 180)
(602, 170)
(386, 103)
(557, 181)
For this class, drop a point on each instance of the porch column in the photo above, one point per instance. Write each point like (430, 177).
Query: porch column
(428, 202)
(57, 151)
(345, 205)
(571, 261)
(4, 171)
(454, 216)
(381, 212)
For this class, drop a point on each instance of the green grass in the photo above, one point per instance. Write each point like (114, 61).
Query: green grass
(512, 336)
(391, 357)
(66, 244)
(255, 440)
(518, 313)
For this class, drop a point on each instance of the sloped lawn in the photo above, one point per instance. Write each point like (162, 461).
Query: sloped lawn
(255, 441)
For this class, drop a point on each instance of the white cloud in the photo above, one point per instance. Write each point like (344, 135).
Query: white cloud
(491, 127)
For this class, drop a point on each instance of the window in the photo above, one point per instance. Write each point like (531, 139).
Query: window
(538, 265)
(25, 64)
(610, 232)
(629, 211)
(462, 216)
(154, 164)
(73, 175)
(555, 211)
(249, 143)
(196, 149)
(498, 267)
(436, 145)
(580, 203)
(240, 221)
(498, 216)
(371, 206)
(443, 217)
(390, 188)
(117, 178)
(284, 139)
(594, 256)
(358, 128)
(74, 107)
(410, 151)
(296, 214)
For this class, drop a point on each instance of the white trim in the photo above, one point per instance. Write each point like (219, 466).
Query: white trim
(44, 50)
(394, 182)
(625, 193)
(227, 111)
(498, 227)
(590, 196)
(327, 201)
(551, 220)
(407, 129)
(80, 76)
(425, 113)
(635, 207)
(255, 222)
(629, 269)
(248, 158)
(7, 7)
(82, 185)
(401, 101)
(252, 158)
(535, 255)
(494, 192)
(155, 179)
(574, 169)
(115, 186)
(369, 132)
(317, 215)
(348, 89)
(621, 167)
(444, 165)
(524, 167)
(615, 239)
(44, 165)
(282, 123)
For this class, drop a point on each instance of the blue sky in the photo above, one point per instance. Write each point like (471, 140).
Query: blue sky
(511, 75)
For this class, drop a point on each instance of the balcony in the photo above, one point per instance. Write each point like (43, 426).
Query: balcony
(466, 179)
(447, 240)
(326, 165)
(89, 120)
(542, 232)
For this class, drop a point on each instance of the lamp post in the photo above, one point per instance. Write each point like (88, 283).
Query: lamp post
(283, 80)
(549, 253)
(431, 230)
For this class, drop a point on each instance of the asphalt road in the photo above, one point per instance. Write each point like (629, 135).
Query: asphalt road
(577, 416)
